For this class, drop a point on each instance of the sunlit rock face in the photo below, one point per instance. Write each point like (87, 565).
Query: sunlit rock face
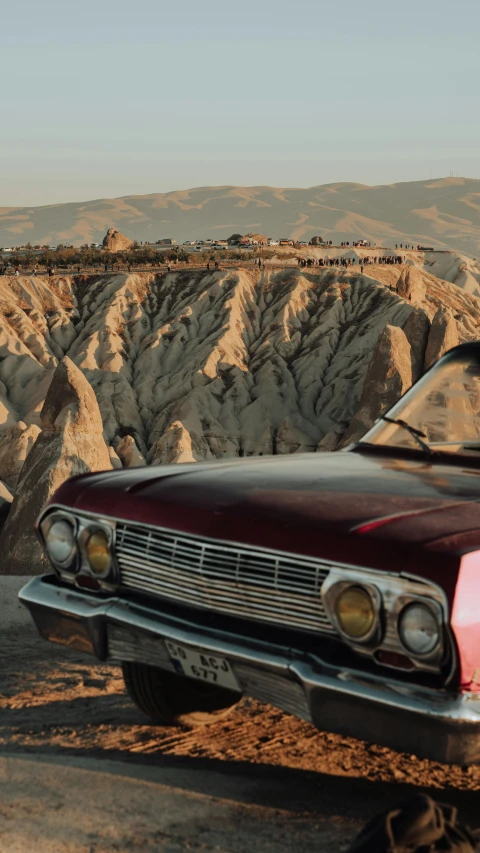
(442, 337)
(388, 377)
(114, 241)
(411, 285)
(70, 442)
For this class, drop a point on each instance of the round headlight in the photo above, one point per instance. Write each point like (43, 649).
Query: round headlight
(355, 612)
(98, 552)
(60, 542)
(419, 629)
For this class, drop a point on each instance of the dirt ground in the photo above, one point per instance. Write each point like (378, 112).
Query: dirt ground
(260, 778)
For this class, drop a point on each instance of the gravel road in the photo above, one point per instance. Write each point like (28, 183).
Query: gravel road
(82, 771)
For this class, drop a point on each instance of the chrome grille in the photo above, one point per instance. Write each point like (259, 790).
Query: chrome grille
(239, 581)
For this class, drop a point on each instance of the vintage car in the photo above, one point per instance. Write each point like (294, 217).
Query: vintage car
(341, 587)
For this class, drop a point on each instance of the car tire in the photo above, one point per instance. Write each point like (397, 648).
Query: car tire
(174, 700)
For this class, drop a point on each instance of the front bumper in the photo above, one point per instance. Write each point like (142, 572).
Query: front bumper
(433, 724)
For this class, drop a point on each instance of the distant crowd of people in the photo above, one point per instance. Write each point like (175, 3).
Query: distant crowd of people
(364, 244)
(384, 259)
(350, 262)
(260, 262)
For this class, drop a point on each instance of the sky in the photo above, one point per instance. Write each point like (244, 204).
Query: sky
(106, 98)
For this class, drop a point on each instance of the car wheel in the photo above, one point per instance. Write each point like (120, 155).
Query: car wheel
(174, 700)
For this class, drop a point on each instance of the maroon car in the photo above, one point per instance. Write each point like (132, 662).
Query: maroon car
(341, 587)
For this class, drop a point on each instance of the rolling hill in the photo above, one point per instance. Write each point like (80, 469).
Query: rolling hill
(443, 213)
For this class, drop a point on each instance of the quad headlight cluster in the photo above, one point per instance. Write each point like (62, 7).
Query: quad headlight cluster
(79, 548)
(372, 616)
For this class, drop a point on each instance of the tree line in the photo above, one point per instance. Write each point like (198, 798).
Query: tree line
(88, 256)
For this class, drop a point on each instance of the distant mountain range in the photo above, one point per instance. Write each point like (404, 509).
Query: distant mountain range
(443, 213)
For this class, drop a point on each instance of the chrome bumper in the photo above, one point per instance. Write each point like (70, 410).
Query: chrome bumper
(430, 723)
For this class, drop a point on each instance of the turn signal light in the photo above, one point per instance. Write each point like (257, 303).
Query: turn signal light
(395, 659)
(87, 582)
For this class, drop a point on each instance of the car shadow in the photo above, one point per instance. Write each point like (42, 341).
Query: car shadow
(97, 725)
(57, 708)
(287, 789)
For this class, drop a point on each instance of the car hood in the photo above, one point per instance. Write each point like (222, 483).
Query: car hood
(355, 507)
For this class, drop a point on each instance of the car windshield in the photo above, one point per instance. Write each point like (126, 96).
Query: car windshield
(441, 412)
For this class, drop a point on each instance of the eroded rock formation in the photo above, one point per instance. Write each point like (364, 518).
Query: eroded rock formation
(411, 285)
(417, 329)
(15, 445)
(71, 442)
(199, 365)
(388, 376)
(114, 241)
(128, 453)
(443, 335)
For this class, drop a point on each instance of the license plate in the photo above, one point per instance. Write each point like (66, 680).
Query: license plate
(203, 666)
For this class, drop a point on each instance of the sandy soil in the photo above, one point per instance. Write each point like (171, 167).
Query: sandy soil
(265, 774)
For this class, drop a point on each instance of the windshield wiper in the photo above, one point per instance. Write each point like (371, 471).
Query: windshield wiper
(415, 433)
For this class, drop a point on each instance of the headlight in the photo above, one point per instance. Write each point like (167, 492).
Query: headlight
(60, 542)
(418, 629)
(355, 612)
(97, 549)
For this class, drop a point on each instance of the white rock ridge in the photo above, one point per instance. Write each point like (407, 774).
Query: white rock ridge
(199, 365)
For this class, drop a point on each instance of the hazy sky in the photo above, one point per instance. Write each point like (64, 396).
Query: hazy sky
(108, 97)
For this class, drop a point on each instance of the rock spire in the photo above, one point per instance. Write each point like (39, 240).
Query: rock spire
(71, 442)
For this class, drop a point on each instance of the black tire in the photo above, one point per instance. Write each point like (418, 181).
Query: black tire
(174, 700)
